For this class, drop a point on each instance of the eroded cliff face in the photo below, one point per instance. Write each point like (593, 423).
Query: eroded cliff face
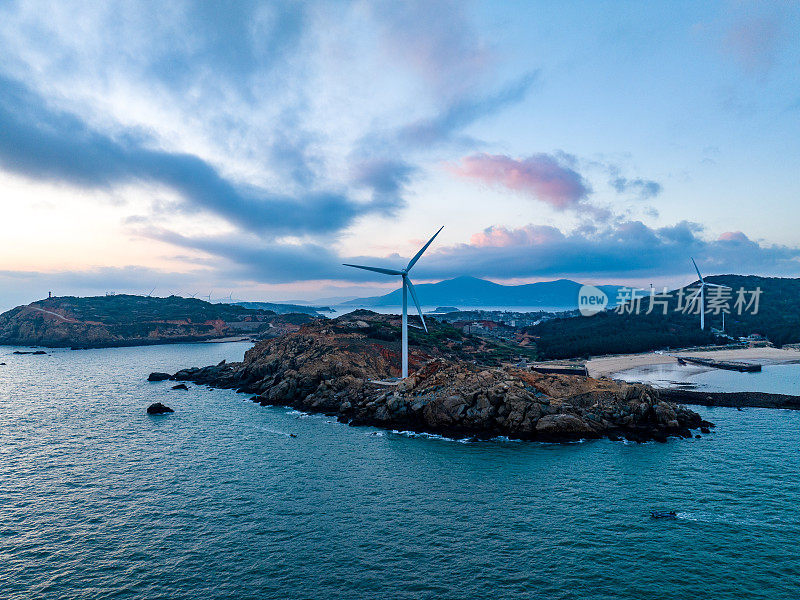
(339, 369)
(124, 320)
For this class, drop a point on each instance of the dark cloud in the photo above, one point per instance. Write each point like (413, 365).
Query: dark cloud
(623, 249)
(386, 178)
(620, 250)
(48, 145)
(628, 249)
(251, 259)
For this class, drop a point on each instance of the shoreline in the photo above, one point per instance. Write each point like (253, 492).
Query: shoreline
(610, 366)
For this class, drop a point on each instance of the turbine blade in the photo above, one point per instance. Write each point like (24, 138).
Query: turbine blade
(376, 269)
(414, 260)
(698, 270)
(717, 285)
(416, 301)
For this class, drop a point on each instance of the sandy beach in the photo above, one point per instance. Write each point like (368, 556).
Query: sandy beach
(608, 365)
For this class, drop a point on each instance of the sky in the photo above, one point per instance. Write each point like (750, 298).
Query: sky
(246, 149)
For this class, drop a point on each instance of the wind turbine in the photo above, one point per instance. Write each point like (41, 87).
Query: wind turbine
(407, 287)
(208, 297)
(703, 286)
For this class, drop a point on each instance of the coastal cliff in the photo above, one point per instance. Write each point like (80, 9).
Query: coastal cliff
(125, 320)
(339, 368)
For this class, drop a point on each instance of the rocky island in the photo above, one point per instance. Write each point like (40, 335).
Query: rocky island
(460, 386)
(128, 320)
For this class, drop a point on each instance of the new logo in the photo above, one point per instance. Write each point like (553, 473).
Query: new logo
(591, 300)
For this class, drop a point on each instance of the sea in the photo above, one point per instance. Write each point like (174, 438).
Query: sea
(227, 499)
(773, 378)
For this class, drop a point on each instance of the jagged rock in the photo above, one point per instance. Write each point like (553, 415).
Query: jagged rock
(336, 368)
(180, 386)
(563, 424)
(158, 409)
(158, 376)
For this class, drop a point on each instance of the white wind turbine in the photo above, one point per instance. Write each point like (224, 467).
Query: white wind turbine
(703, 286)
(407, 287)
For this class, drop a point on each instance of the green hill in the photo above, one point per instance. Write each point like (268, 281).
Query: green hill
(125, 320)
(777, 319)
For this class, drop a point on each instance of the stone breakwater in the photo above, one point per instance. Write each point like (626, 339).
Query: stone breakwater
(732, 399)
(460, 399)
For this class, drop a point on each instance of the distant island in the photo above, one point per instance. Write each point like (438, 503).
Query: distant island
(475, 292)
(128, 320)
(285, 309)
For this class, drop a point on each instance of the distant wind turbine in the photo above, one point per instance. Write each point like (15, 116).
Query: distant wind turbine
(151, 292)
(407, 287)
(208, 297)
(703, 286)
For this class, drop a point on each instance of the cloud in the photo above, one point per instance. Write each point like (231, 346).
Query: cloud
(386, 178)
(249, 258)
(540, 176)
(462, 112)
(643, 188)
(734, 237)
(754, 41)
(44, 144)
(436, 40)
(617, 250)
(502, 237)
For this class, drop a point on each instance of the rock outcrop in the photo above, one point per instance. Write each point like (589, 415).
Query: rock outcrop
(158, 409)
(334, 369)
(125, 320)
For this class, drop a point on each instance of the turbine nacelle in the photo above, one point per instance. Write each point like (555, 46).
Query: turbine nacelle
(701, 292)
(407, 287)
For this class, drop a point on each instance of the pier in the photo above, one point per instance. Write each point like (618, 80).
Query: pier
(730, 365)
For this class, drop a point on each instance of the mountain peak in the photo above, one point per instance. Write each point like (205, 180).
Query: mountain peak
(468, 291)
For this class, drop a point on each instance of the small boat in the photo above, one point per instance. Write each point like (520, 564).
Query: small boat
(663, 514)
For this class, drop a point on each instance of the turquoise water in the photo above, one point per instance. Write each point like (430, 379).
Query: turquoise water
(99, 500)
(776, 379)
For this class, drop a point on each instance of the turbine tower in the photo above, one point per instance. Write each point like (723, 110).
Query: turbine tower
(703, 286)
(407, 287)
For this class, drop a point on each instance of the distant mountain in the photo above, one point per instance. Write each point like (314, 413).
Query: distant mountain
(471, 291)
(285, 309)
(126, 320)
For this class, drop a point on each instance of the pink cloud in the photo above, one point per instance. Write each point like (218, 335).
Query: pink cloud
(541, 176)
(529, 235)
(733, 236)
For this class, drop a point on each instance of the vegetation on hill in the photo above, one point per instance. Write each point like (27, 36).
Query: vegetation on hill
(122, 320)
(612, 332)
(371, 330)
